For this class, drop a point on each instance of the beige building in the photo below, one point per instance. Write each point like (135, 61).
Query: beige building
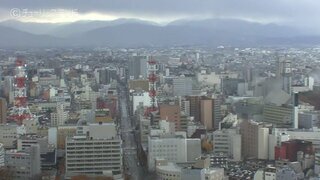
(210, 114)
(3, 110)
(63, 132)
(139, 84)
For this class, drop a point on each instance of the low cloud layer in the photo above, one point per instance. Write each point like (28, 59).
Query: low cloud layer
(303, 14)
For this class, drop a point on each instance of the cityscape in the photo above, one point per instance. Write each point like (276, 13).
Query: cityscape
(115, 91)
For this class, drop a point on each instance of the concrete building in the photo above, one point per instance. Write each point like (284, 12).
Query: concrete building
(138, 67)
(59, 117)
(308, 119)
(228, 142)
(8, 89)
(210, 113)
(172, 113)
(195, 107)
(254, 139)
(182, 86)
(2, 155)
(140, 98)
(25, 141)
(139, 84)
(24, 164)
(3, 110)
(64, 132)
(286, 173)
(145, 126)
(100, 150)
(268, 173)
(279, 116)
(200, 169)
(8, 135)
(165, 143)
(275, 139)
(185, 106)
(317, 163)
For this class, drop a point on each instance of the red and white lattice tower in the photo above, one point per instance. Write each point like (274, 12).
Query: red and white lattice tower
(20, 111)
(152, 76)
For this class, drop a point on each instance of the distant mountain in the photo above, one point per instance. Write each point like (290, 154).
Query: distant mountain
(31, 27)
(12, 38)
(67, 29)
(132, 32)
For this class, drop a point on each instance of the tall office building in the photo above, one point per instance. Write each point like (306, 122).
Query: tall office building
(254, 139)
(210, 113)
(182, 86)
(95, 150)
(195, 106)
(59, 117)
(24, 164)
(3, 110)
(285, 73)
(8, 89)
(138, 67)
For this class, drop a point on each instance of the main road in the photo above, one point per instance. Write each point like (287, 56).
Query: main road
(131, 163)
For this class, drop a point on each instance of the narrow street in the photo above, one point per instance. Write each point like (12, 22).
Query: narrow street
(131, 163)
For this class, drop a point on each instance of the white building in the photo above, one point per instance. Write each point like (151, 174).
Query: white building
(94, 153)
(263, 143)
(268, 173)
(59, 117)
(140, 98)
(228, 142)
(172, 146)
(199, 170)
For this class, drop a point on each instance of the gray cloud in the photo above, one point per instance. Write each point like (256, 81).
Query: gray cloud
(295, 12)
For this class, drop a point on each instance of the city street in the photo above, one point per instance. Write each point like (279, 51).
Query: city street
(131, 163)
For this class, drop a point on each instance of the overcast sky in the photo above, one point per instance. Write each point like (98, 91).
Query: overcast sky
(300, 13)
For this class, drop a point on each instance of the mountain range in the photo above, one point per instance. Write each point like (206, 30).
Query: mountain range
(133, 32)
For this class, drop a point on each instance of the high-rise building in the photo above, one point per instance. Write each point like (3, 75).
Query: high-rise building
(95, 149)
(285, 72)
(24, 164)
(210, 113)
(3, 110)
(138, 67)
(59, 117)
(195, 107)
(8, 89)
(254, 139)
